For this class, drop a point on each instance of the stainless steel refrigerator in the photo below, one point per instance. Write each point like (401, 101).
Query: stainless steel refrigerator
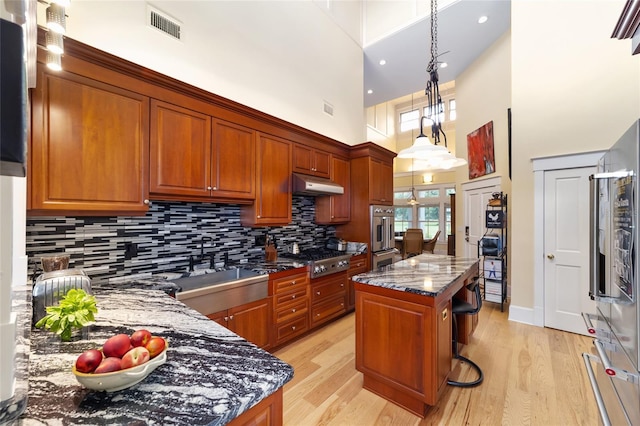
(613, 372)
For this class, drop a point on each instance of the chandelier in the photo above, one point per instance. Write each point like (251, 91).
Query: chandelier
(432, 155)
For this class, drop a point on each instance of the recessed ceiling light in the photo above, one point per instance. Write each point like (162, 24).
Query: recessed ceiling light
(483, 19)
(369, 91)
(382, 62)
(444, 65)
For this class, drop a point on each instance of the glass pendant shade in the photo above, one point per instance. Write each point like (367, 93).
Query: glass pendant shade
(56, 19)
(55, 43)
(54, 61)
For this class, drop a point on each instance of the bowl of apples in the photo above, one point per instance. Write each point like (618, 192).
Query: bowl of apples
(123, 361)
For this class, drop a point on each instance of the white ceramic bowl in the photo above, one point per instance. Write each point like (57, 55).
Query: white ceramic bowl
(118, 380)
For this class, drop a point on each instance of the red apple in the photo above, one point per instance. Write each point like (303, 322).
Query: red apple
(136, 356)
(140, 338)
(155, 346)
(116, 346)
(88, 361)
(108, 365)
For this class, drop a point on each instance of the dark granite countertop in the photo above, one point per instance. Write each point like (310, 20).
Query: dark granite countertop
(210, 377)
(426, 274)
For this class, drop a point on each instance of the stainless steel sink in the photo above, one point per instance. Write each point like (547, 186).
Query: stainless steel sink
(217, 291)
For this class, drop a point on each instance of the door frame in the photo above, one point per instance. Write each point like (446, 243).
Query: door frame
(540, 166)
(470, 186)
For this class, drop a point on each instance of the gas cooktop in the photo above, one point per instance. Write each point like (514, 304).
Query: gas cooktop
(322, 261)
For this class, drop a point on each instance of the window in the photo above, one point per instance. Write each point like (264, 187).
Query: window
(452, 109)
(427, 110)
(432, 213)
(409, 120)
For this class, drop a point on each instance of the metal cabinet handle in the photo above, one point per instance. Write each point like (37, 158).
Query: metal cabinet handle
(596, 389)
(209, 188)
(147, 202)
(550, 256)
(215, 188)
(318, 293)
(293, 328)
(293, 296)
(293, 310)
(293, 282)
(231, 317)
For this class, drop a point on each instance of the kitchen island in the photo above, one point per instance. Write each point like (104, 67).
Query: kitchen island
(211, 376)
(404, 326)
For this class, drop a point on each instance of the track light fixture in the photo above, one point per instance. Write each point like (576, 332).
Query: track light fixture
(56, 18)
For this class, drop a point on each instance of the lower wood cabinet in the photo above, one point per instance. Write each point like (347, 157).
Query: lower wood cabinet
(289, 291)
(358, 265)
(328, 298)
(251, 321)
(267, 412)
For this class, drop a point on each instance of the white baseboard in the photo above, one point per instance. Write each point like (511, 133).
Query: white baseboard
(522, 314)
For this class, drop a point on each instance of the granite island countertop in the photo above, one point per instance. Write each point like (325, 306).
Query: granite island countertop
(426, 274)
(210, 377)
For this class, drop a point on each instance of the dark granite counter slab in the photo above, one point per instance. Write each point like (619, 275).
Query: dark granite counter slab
(426, 274)
(211, 375)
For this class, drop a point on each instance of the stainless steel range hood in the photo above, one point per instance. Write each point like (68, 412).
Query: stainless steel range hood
(312, 185)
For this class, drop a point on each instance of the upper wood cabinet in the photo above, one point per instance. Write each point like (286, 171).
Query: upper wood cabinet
(272, 205)
(336, 208)
(194, 156)
(381, 182)
(311, 161)
(89, 147)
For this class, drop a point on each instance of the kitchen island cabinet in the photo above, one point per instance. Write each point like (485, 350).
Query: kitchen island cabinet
(89, 145)
(404, 326)
(211, 376)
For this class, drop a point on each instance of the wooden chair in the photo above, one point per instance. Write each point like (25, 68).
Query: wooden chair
(430, 245)
(412, 242)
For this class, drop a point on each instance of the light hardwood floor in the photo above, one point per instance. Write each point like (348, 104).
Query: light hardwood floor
(533, 376)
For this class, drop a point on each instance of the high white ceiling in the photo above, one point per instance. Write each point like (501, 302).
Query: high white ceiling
(461, 39)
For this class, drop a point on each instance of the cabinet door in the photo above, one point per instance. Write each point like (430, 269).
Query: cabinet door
(252, 321)
(221, 318)
(273, 184)
(234, 161)
(381, 179)
(89, 147)
(336, 208)
(310, 161)
(180, 154)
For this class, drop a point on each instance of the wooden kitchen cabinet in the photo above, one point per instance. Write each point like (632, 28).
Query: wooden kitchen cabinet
(89, 146)
(358, 265)
(411, 360)
(290, 294)
(381, 184)
(328, 298)
(336, 208)
(252, 321)
(272, 205)
(311, 161)
(194, 156)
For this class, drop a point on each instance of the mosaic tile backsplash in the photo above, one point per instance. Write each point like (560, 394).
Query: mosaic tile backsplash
(165, 237)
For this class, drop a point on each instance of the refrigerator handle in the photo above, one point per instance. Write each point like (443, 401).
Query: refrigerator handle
(610, 369)
(596, 331)
(596, 390)
(594, 208)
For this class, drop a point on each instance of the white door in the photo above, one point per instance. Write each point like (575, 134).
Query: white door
(566, 249)
(476, 199)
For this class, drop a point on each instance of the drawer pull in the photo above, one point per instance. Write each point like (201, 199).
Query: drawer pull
(293, 282)
(341, 284)
(293, 310)
(293, 327)
(445, 314)
(293, 296)
(318, 293)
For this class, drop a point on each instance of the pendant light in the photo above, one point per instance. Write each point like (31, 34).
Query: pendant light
(434, 156)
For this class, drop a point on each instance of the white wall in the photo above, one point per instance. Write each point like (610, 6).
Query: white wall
(574, 89)
(284, 58)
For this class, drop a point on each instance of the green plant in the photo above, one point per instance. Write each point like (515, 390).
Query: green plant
(76, 309)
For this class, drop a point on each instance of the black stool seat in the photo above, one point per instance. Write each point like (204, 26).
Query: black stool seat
(460, 307)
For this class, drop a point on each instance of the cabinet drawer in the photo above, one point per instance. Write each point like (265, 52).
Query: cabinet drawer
(291, 311)
(298, 294)
(291, 329)
(290, 283)
(329, 309)
(328, 289)
(360, 268)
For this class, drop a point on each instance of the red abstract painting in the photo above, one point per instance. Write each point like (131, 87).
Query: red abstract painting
(480, 150)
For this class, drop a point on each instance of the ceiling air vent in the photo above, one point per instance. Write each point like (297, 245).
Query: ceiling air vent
(328, 108)
(163, 22)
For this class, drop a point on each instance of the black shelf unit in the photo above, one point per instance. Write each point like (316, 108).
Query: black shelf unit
(492, 251)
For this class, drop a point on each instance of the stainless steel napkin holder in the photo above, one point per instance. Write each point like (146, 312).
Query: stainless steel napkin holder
(50, 287)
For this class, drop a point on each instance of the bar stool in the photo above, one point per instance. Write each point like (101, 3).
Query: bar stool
(460, 307)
